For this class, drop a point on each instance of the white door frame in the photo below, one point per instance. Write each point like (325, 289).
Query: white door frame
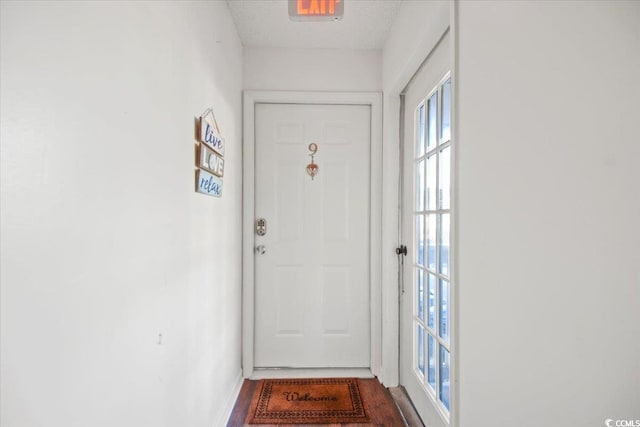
(250, 99)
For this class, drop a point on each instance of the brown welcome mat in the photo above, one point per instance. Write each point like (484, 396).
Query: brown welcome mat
(307, 401)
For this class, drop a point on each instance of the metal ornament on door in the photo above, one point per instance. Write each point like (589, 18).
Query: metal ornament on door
(312, 168)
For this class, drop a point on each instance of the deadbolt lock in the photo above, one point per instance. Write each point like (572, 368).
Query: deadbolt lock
(261, 226)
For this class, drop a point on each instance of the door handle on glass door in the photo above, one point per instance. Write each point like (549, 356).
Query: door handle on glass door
(261, 249)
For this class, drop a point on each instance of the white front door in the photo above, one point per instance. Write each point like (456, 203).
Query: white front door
(425, 315)
(311, 266)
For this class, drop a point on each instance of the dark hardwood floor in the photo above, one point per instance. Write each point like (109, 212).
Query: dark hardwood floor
(378, 402)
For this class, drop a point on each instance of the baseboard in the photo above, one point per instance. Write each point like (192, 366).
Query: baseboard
(230, 402)
(263, 373)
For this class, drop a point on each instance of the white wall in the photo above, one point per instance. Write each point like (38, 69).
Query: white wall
(312, 69)
(416, 30)
(104, 243)
(549, 203)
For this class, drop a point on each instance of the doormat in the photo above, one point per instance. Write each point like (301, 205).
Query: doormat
(307, 401)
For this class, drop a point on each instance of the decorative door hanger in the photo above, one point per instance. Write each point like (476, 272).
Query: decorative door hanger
(209, 155)
(312, 168)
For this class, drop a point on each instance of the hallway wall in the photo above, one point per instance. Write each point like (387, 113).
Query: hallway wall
(548, 204)
(549, 283)
(105, 245)
(312, 69)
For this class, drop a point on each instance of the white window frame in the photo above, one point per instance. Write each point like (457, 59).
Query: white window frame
(436, 150)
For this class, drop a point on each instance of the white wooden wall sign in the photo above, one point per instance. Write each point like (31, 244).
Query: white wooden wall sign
(210, 133)
(208, 160)
(208, 184)
(209, 155)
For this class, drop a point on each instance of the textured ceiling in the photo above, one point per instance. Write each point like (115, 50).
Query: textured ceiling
(266, 23)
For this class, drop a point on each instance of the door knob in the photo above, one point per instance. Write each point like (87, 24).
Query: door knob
(261, 249)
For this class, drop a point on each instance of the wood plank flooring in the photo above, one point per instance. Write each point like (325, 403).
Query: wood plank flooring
(411, 417)
(377, 400)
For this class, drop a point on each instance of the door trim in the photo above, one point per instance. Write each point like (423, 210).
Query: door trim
(250, 99)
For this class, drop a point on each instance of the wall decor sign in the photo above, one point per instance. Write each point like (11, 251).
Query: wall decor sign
(210, 133)
(208, 160)
(209, 155)
(208, 184)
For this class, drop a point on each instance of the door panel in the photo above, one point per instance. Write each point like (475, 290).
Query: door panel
(424, 333)
(312, 285)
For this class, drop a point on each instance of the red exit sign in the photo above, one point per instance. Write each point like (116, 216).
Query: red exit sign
(316, 10)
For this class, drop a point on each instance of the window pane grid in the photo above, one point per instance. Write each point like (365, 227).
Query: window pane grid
(432, 284)
(420, 137)
(432, 120)
(419, 242)
(419, 343)
(420, 183)
(431, 362)
(445, 116)
(419, 295)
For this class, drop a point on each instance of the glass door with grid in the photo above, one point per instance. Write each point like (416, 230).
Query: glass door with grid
(426, 335)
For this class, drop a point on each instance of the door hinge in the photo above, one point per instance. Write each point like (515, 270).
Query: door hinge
(401, 250)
